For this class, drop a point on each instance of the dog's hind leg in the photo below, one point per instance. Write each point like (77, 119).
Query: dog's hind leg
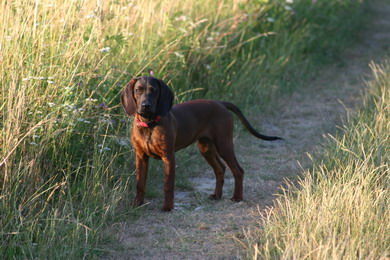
(226, 151)
(209, 152)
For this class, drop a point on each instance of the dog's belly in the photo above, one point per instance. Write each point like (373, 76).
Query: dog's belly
(187, 138)
(183, 145)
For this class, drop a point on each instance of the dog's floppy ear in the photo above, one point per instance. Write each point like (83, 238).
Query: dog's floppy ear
(165, 100)
(127, 98)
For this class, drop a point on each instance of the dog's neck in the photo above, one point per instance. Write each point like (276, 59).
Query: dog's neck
(141, 121)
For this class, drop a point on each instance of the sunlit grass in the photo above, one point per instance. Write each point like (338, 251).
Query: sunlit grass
(66, 162)
(339, 210)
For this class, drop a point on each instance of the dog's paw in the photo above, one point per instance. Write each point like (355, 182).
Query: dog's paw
(167, 208)
(236, 199)
(214, 197)
(137, 202)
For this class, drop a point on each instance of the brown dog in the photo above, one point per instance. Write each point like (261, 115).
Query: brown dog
(160, 129)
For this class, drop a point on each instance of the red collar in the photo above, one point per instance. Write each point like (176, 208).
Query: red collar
(151, 123)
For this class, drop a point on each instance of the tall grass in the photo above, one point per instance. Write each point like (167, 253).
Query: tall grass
(65, 156)
(339, 210)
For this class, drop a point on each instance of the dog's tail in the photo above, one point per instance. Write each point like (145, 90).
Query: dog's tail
(246, 123)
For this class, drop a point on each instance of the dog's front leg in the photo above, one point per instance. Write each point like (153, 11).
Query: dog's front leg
(169, 181)
(141, 163)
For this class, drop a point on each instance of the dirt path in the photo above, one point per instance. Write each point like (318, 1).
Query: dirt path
(203, 229)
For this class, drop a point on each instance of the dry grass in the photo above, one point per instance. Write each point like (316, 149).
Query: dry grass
(339, 210)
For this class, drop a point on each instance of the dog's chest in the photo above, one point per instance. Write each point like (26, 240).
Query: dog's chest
(150, 143)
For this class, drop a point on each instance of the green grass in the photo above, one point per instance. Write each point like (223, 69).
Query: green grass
(66, 165)
(340, 209)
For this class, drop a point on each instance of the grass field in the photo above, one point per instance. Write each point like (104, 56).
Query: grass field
(340, 209)
(66, 163)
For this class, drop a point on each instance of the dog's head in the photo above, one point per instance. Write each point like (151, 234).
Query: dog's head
(147, 96)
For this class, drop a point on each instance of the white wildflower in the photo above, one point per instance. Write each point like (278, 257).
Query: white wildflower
(183, 30)
(51, 104)
(33, 143)
(90, 99)
(37, 78)
(194, 25)
(68, 107)
(288, 8)
(133, 6)
(103, 149)
(123, 141)
(105, 121)
(178, 54)
(245, 15)
(208, 66)
(50, 82)
(182, 18)
(105, 49)
(270, 19)
(89, 16)
(83, 120)
(289, 1)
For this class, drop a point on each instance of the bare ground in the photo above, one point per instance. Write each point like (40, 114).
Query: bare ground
(203, 229)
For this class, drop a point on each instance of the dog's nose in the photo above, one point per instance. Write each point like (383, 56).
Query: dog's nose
(145, 106)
